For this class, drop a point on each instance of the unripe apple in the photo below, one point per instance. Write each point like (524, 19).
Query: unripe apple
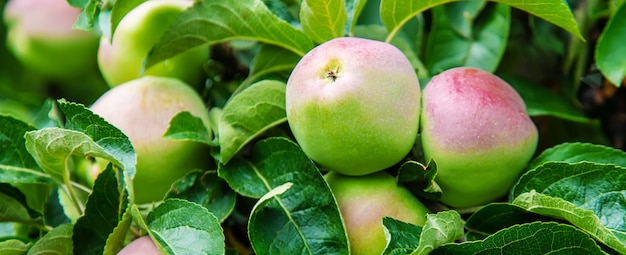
(140, 246)
(121, 59)
(476, 128)
(142, 109)
(353, 105)
(365, 200)
(40, 35)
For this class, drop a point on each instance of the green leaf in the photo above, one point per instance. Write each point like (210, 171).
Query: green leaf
(578, 152)
(402, 237)
(103, 213)
(184, 126)
(270, 59)
(105, 135)
(441, 228)
(16, 164)
(540, 101)
(303, 219)
(182, 227)
(323, 20)
(116, 240)
(206, 189)
(493, 217)
(395, 13)
(119, 10)
(420, 179)
(13, 206)
(250, 113)
(89, 16)
(354, 9)
(213, 21)
(536, 238)
(478, 42)
(610, 49)
(13, 247)
(582, 218)
(57, 241)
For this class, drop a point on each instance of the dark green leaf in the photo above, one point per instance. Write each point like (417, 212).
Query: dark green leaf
(440, 229)
(103, 213)
(185, 126)
(116, 240)
(57, 241)
(206, 189)
(270, 59)
(78, 3)
(250, 113)
(302, 218)
(183, 227)
(402, 237)
(536, 238)
(584, 219)
(13, 247)
(420, 179)
(610, 48)
(323, 20)
(53, 212)
(456, 42)
(212, 21)
(577, 152)
(495, 216)
(395, 13)
(13, 206)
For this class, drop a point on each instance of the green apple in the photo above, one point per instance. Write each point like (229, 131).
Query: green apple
(121, 59)
(142, 109)
(353, 105)
(476, 128)
(141, 246)
(365, 200)
(40, 35)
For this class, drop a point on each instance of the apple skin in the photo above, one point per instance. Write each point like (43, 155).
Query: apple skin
(41, 37)
(121, 59)
(142, 110)
(353, 105)
(141, 246)
(476, 128)
(365, 200)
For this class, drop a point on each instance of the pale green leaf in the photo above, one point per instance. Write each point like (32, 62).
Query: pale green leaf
(537, 238)
(610, 51)
(116, 240)
(441, 228)
(304, 219)
(181, 227)
(582, 218)
(13, 247)
(250, 113)
(89, 16)
(577, 152)
(119, 10)
(57, 241)
(354, 9)
(213, 21)
(323, 20)
(184, 126)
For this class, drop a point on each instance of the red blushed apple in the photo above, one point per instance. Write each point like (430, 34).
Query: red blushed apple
(476, 128)
(140, 246)
(353, 105)
(365, 200)
(142, 110)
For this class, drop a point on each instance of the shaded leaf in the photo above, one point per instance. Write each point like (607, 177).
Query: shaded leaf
(206, 189)
(354, 9)
(250, 113)
(323, 20)
(582, 218)
(304, 218)
(182, 227)
(270, 59)
(531, 239)
(213, 21)
(402, 237)
(13, 206)
(496, 216)
(476, 43)
(577, 152)
(184, 126)
(57, 241)
(420, 179)
(103, 213)
(610, 48)
(441, 228)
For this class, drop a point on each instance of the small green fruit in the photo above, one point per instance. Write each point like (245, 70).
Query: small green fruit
(141, 246)
(142, 109)
(122, 59)
(353, 105)
(365, 200)
(475, 127)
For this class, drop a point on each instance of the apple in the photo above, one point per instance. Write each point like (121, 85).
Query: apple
(121, 59)
(41, 36)
(476, 128)
(365, 200)
(353, 105)
(142, 109)
(141, 246)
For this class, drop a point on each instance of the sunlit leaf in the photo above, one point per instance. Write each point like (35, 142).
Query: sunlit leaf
(610, 48)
